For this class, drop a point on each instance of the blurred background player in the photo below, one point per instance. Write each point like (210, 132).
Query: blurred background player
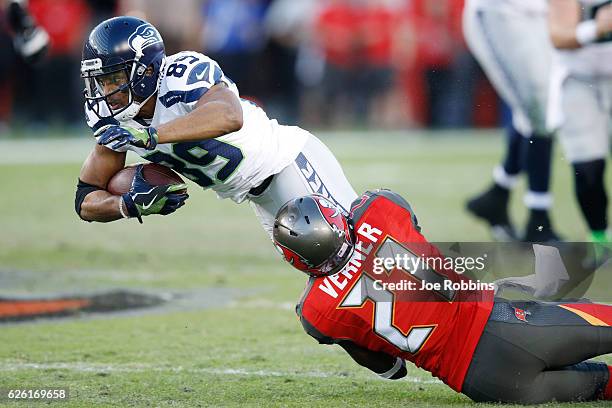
(491, 351)
(30, 41)
(23, 45)
(496, 34)
(581, 100)
(47, 36)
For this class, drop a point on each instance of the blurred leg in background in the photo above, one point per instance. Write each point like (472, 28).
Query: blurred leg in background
(520, 75)
(585, 136)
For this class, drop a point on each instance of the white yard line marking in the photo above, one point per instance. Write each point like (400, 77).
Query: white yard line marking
(138, 368)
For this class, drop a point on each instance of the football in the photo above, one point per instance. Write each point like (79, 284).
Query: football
(155, 174)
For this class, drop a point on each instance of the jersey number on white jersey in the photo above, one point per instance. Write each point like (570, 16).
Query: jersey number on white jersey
(206, 162)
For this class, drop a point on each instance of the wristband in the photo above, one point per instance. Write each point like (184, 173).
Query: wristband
(153, 138)
(123, 214)
(131, 207)
(399, 363)
(586, 32)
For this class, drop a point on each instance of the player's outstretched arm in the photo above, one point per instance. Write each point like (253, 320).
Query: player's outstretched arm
(383, 364)
(93, 202)
(218, 112)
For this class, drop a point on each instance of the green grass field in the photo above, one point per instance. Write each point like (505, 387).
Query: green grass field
(235, 341)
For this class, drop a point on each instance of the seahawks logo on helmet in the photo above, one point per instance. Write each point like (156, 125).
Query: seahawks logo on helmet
(144, 36)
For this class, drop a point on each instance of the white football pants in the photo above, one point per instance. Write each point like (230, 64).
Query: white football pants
(314, 170)
(514, 49)
(582, 107)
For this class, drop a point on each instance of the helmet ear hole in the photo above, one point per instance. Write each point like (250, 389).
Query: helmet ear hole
(307, 219)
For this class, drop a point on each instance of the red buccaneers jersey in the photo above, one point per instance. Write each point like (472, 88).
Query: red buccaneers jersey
(375, 306)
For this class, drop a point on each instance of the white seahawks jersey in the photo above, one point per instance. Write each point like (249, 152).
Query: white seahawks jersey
(511, 6)
(231, 164)
(590, 60)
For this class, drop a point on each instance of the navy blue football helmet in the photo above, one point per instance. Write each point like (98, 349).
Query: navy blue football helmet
(130, 48)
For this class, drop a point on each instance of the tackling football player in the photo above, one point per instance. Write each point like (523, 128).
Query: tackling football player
(489, 349)
(182, 111)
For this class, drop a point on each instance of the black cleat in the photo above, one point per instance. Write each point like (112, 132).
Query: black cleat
(539, 228)
(492, 207)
